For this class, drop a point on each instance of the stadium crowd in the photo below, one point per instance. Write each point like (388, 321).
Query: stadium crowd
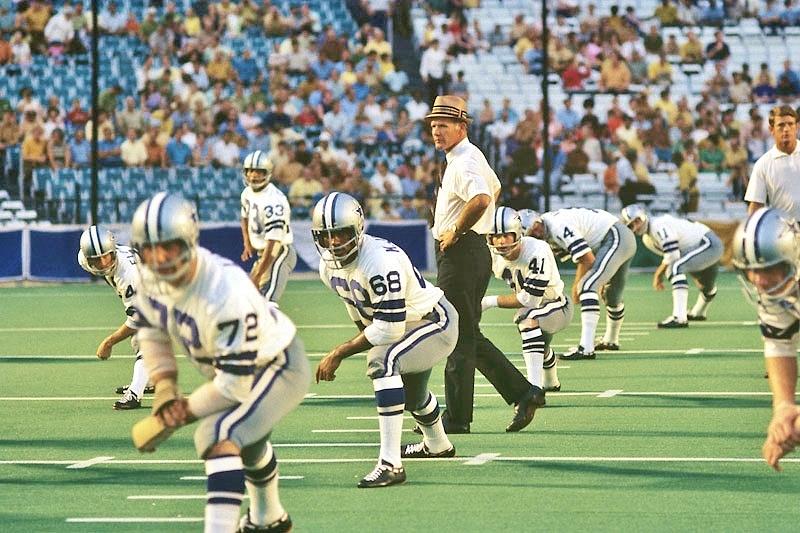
(335, 113)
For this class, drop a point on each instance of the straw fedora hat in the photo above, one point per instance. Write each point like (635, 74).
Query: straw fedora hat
(449, 106)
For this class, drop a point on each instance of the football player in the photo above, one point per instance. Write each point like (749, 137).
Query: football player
(688, 248)
(405, 324)
(529, 268)
(765, 251)
(100, 255)
(265, 228)
(257, 368)
(603, 248)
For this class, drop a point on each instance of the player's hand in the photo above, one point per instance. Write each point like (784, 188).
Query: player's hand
(448, 239)
(658, 283)
(247, 253)
(772, 452)
(104, 350)
(176, 413)
(574, 292)
(326, 371)
(781, 428)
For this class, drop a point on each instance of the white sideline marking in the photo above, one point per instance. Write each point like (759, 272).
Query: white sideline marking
(203, 478)
(376, 417)
(351, 431)
(694, 351)
(609, 393)
(327, 444)
(90, 462)
(132, 520)
(481, 458)
(171, 497)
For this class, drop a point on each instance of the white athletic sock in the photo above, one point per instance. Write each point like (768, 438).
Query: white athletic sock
(391, 400)
(590, 316)
(614, 318)
(680, 301)
(533, 354)
(701, 306)
(429, 421)
(224, 494)
(550, 367)
(139, 378)
(261, 481)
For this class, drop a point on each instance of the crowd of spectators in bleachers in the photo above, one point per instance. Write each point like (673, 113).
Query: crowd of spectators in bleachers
(332, 111)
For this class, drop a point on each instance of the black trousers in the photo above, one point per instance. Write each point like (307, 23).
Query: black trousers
(464, 271)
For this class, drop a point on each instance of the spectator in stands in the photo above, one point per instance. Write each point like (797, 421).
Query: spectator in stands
(80, 149)
(712, 153)
(108, 149)
(432, 71)
(692, 49)
(133, 151)
(770, 17)
(201, 151)
(156, 155)
(788, 87)
(653, 42)
(162, 41)
(77, 117)
(764, 90)
(6, 52)
(566, 116)
(59, 32)
(740, 91)
(34, 155)
(111, 21)
(574, 74)
(718, 50)
(671, 47)
(33, 20)
(660, 70)
(713, 14)
(53, 121)
(407, 211)
(220, 68)
(108, 99)
(615, 77)
(687, 181)
(667, 13)
(688, 14)
(58, 153)
(637, 65)
(757, 138)
(736, 163)
(177, 152)
(149, 24)
(718, 85)
(21, 51)
(384, 182)
(10, 135)
(303, 190)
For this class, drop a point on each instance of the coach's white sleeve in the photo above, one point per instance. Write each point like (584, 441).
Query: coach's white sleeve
(757, 186)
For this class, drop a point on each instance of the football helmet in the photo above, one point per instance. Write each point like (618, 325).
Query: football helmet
(505, 221)
(337, 226)
(766, 239)
(161, 219)
(257, 170)
(527, 217)
(635, 212)
(97, 243)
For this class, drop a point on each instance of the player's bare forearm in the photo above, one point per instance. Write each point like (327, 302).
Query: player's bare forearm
(357, 344)
(508, 301)
(782, 380)
(123, 332)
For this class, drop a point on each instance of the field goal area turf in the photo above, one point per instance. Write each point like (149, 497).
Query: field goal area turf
(664, 435)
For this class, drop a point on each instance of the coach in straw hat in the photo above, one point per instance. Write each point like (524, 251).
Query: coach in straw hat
(465, 205)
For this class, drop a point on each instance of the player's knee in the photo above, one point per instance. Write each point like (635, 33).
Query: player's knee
(528, 323)
(223, 448)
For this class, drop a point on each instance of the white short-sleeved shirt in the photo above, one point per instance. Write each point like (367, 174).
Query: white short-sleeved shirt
(468, 174)
(267, 213)
(220, 319)
(577, 230)
(672, 237)
(124, 280)
(775, 181)
(780, 323)
(381, 288)
(533, 275)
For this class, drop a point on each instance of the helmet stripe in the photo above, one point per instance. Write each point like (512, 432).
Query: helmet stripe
(750, 237)
(333, 210)
(153, 217)
(94, 239)
(502, 220)
(257, 158)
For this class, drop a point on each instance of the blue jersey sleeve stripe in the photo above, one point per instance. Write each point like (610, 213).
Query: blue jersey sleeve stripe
(236, 369)
(240, 356)
(576, 243)
(389, 317)
(391, 304)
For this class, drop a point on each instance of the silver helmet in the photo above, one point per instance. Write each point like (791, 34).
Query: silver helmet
(767, 238)
(166, 218)
(633, 213)
(506, 220)
(98, 242)
(335, 215)
(258, 161)
(528, 217)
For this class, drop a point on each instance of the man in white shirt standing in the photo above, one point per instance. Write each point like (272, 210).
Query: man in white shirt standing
(774, 180)
(463, 216)
(431, 68)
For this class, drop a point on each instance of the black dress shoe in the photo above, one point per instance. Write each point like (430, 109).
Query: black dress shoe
(452, 428)
(526, 408)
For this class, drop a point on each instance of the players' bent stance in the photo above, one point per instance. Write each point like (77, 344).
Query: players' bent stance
(100, 255)
(265, 228)
(256, 366)
(528, 266)
(688, 248)
(406, 325)
(602, 247)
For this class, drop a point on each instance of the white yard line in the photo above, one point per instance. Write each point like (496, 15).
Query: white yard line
(351, 431)
(481, 459)
(203, 478)
(90, 462)
(376, 417)
(609, 393)
(132, 520)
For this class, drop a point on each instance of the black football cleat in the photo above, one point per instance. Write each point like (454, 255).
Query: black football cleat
(127, 402)
(553, 388)
(383, 476)
(696, 318)
(606, 346)
(525, 409)
(576, 354)
(420, 451)
(281, 525)
(672, 323)
(147, 390)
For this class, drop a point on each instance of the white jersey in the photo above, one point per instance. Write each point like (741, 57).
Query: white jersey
(779, 320)
(124, 280)
(672, 237)
(381, 289)
(533, 276)
(267, 213)
(774, 182)
(577, 230)
(221, 320)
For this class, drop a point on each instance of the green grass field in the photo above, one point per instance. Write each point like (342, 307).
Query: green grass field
(664, 435)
